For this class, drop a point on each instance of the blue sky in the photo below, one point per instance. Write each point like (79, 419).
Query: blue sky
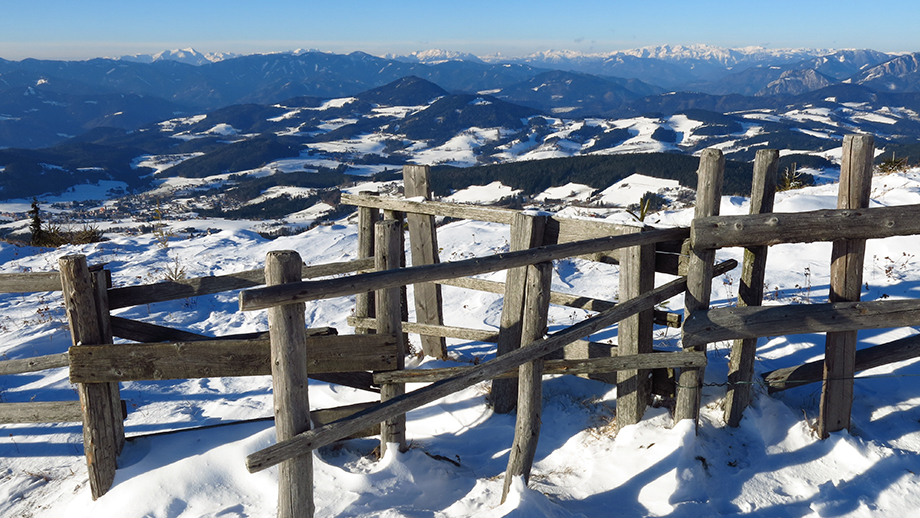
(80, 29)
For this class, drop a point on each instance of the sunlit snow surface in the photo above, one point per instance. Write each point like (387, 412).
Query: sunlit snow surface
(771, 466)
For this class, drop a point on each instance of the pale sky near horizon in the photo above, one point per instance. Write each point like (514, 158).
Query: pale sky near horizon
(82, 29)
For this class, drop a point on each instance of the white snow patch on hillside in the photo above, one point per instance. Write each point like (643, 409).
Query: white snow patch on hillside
(630, 189)
(482, 194)
(568, 192)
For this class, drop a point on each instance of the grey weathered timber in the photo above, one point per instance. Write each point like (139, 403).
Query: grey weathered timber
(530, 377)
(806, 227)
(750, 290)
(364, 301)
(323, 435)
(733, 323)
(526, 232)
(145, 332)
(225, 358)
(869, 358)
(289, 360)
(658, 360)
(431, 208)
(400, 236)
(699, 278)
(663, 318)
(100, 409)
(41, 412)
(174, 290)
(847, 257)
(423, 241)
(102, 281)
(30, 282)
(634, 336)
(261, 298)
(328, 415)
(463, 333)
(34, 364)
(388, 246)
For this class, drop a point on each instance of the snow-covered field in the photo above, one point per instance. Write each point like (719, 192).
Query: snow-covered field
(771, 466)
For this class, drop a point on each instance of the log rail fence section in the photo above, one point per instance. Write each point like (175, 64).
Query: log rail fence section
(374, 356)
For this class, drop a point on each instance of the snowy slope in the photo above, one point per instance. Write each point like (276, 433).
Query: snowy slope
(772, 466)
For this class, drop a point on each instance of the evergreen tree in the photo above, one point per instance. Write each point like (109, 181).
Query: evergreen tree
(36, 225)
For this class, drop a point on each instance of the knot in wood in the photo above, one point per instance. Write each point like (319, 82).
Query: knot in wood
(773, 221)
(739, 226)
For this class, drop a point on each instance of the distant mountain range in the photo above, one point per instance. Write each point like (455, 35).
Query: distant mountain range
(74, 121)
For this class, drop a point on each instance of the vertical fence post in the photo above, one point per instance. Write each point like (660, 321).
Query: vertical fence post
(288, 337)
(699, 278)
(750, 290)
(400, 218)
(103, 426)
(388, 247)
(637, 276)
(530, 375)
(847, 259)
(526, 232)
(364, 302)
(424, 242)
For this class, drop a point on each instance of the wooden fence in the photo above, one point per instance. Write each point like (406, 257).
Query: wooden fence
(374, 356)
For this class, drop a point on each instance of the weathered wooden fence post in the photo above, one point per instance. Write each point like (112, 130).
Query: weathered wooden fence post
(287, 332)
(530, 375)
(699, 278)
(388, 247)
(103, 425)
(750, 291)
(637, 276)
(847, 258)
(364, 302)
(526, 232)
(423, 240)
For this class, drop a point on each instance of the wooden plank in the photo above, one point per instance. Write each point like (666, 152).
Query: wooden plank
(526, 232)
(462, 333)
(750, 290)
(364, 301)
(699, 278)
(530, 375)
(41, 412)
(423, 241)
(323, 435)
(34, 364)
(102, 281)
(733, 323)
(806, 227)
(325, 416)
(388, 246)
(151, 333)
(174, 290)
(431, 208)
(100, 409)
(224, 358)
(662, 318)
(261, 298)
(847, 258)
(30, 282)
(289, 359)
(658, 360)
(869, 358)
(634, 336)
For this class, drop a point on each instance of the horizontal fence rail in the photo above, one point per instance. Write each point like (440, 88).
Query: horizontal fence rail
(30, 282)
(805, 227)
(41, 412)
(175, 290)
(732, 323)
(262, 298)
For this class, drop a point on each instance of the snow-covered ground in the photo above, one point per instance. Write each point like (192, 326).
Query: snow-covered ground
(771, 466)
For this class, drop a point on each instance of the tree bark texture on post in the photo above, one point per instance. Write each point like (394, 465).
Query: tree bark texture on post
(634, 336)
(388, 246)
(526, 232)
(699, 278)
(103, 427)
(364, 302)
(287, 334)
(847, 259)
(530, 376)
(423, 240)
(750, 290)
